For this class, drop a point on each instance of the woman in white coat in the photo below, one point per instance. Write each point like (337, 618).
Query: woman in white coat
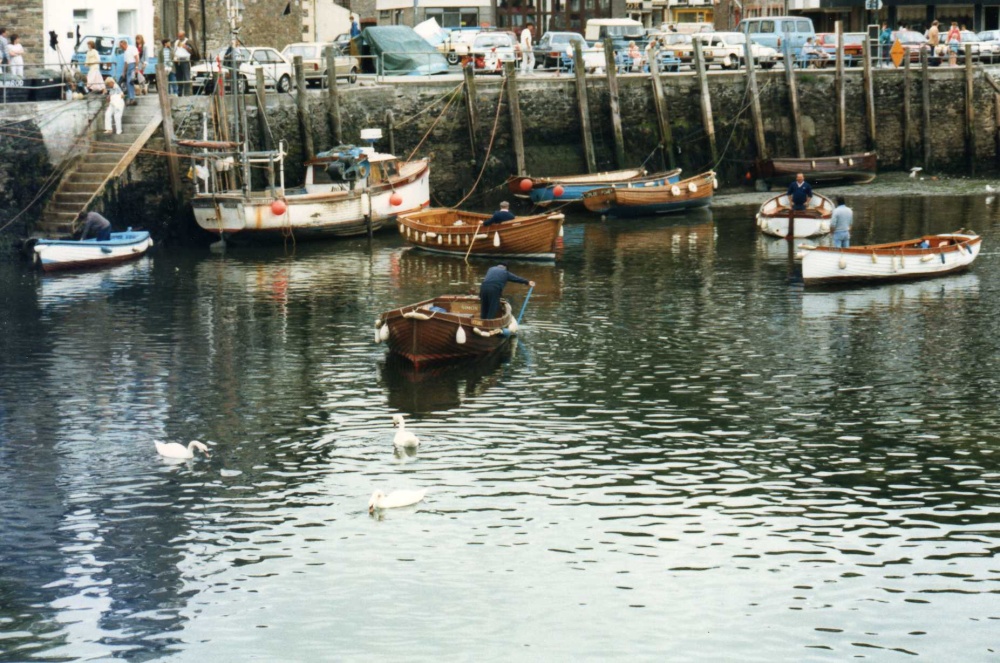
(116, 106)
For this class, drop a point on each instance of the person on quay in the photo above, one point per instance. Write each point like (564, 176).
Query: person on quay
(840, 224)
(131, 64)
(116, 106)
(501, 215)
(954, 41)
(167, 58)
(884, 42)
(182, 62)
(15, 53)
(95, 82)
(800, 192)
(4, 43)
(492, 287)
(94, 225)
(355, 26)
(140, 71)
(527, 49)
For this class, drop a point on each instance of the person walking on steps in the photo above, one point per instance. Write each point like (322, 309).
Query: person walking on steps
(116, 106)
(492, 287)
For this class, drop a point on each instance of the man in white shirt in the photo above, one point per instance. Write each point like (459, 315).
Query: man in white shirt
(182, 61)
(131, 64)
(527, 49)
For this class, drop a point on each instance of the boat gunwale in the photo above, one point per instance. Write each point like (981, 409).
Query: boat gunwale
(898, 248)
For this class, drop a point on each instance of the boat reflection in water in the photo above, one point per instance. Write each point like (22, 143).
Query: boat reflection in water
(775, 249)
(693, 232)
(64, 289)
(453, 276)
(865, 299)
(444, 387)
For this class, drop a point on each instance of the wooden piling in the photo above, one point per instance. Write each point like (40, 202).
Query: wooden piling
(662, 112)
(996, 127)
(471, 111)
(332, 96)
(706, 101)
(925, 102)
(869, 99)
(841, 94)
(302, 107)
(907, 120)
(970, 111)
(517, 130)
(267, 140)
(616, 118)
(583, 106)
(173, 168)
(755, 113)
(390, 127)
(793, 101)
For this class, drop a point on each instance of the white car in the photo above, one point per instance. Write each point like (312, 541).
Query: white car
(491, 49)
(278, 72)
(727, 49)
(458, 45)
(314, 62)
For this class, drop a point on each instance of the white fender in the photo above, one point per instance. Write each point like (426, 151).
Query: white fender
(692, 187)
(417, 316)
(432, 235)
(384, 333)
(560, 231)
(496, 239)
(513, 326)
(402, 228)
(843, 262)
(676, 190)
(440, 239)
(407, 232)
(378, 335)
(482, 236)
(874, 258)
(715, 183)
(460, 336)
(926, 258)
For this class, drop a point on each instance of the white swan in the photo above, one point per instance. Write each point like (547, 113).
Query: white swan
(914, 171)
(394, 500)
(403, 437)
(178, 450)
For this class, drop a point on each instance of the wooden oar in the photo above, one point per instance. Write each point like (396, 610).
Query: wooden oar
(525, 304)
(473, 241)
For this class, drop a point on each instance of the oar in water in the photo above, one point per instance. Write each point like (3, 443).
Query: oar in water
(471, 243)
(525, 304)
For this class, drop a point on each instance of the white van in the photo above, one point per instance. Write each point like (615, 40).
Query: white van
(621, 31)
(777, 31)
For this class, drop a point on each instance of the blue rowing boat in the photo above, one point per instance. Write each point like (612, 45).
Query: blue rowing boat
(573, 192)
(53, 254)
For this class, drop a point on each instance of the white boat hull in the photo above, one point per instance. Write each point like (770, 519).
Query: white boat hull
(773, 217)
(829, 265)
(53, 255)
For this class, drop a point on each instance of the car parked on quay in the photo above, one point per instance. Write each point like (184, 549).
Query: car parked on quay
(491, 49)
(854, 46)
(554, 46)
(277, 71)
(458, 44)
(112, 57)
(990, 38)
(728, 50)
(314, 62)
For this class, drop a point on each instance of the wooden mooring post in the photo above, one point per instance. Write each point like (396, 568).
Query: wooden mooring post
(517, 130)
(173, 168)
(302, 107)
(869, 98)
(793, 101)
(583, 106)
(755, 113)
(616, 117)
(260, 93)
(841, 94)
(907, 112)
(662, 113)
(390, 127)
(970, 110)
(925, 102)
(333, 97)
(471, 111)
(706, 101)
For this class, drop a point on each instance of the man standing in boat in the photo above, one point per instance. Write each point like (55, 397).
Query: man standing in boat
(501, 215)
(94, 225)
(800, 192)
(840, 224)
(492, 288)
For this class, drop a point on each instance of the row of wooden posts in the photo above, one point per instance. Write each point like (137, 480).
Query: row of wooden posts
(660, 103)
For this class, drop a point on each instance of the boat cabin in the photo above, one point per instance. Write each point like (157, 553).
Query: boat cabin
(339, 171)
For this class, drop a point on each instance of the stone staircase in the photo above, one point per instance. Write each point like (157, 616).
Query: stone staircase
(107, 157)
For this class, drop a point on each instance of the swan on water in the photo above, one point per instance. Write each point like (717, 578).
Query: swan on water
(394, 500)
(403, 437)
(178, 450)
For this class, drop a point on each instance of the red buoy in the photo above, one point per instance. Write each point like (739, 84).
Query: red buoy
(395, 200)
(525, 185)
(278, 208)
(558, 191)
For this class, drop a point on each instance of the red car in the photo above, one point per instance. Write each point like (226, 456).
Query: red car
(854, 44)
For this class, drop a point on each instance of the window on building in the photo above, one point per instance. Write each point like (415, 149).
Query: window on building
(454, 17)
(81, 15)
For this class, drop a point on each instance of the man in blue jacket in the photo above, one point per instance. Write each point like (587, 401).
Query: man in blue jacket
(492, 288)
(501, 215)
(800, 192)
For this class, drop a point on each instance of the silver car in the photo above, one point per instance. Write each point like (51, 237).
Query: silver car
(314, 62)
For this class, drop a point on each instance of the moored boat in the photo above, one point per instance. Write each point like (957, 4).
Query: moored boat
(522, 185)
(776, 213)
(687, 194)
(567, 192)
(446, 328)
(455, 232)
(854, 168)
(56, 254)
(930, 255)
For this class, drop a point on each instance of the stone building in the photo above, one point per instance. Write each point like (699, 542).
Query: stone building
(273, 23)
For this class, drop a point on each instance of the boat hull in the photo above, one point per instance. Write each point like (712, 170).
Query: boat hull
(317, 214)
(851, 168)
(424, 336)
(514, 184)
(774, 217)
(53, 255)
(947, 254)
(525, 237)
(691, 193)
(545, 195)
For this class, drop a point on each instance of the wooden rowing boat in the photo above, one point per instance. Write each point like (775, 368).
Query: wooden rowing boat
(687, 194)
(446, 328)
(521, 185)
(453, 232)
(930, 255)
(55, 254)
(855, 168)
(569, 192)
(775, 214)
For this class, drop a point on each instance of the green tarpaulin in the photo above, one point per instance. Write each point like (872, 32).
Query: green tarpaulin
(397, 49)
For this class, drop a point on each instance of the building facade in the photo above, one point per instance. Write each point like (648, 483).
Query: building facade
(448, 13)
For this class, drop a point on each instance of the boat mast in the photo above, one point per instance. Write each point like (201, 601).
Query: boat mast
(240, 133)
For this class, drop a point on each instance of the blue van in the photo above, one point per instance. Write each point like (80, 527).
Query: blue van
(778, 32)
(112, 57)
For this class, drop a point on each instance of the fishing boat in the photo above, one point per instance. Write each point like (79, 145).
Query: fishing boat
(775, 215)
(347, 191)
(565, 193)
(446, 328)
(684, 195)
(853, 168)
(454, 232)
(930, 255)
(56, 254)
(522, 185)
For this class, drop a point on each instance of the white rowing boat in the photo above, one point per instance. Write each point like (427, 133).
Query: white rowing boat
(53, 254)
(775, 215)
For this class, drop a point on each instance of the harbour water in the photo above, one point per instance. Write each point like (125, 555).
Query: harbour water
(683, 457)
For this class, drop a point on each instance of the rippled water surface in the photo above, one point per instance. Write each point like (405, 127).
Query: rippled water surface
(682, 458)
